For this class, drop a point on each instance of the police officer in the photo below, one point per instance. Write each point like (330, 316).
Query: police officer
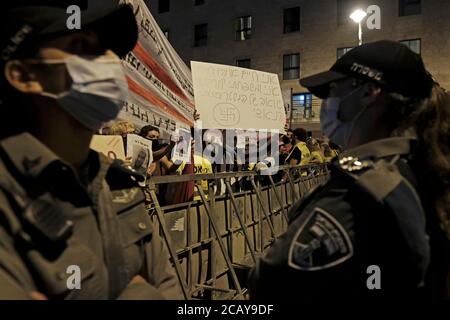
(379, 226)
(72, 224)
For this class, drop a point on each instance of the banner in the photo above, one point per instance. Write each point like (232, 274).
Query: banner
(231, 97)
(161, 91)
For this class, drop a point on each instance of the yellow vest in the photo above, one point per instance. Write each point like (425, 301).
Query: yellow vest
(316, 157)
(201, 166)
(306, 155)
(332, 156)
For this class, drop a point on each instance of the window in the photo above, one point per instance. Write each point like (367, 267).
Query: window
(302, 106)
(415, 45)
(291, 66)
(410, 7)
(243, 28)
(342, 51)
(291, 21)
(199, 2)
(201, 35)
(243, 63)
(163, 6)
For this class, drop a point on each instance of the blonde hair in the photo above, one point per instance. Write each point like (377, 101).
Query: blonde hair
(122, 127)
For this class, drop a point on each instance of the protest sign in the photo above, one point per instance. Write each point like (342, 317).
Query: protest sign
(140, 151)
(182, 151)
(232, 97)
(111, 146)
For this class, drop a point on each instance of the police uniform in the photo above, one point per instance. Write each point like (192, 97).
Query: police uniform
(51, 222)
(367, 216)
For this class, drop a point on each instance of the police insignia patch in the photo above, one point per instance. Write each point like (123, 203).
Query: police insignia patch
(320, 243)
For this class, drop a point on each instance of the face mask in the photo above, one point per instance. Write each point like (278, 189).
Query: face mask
(98, 90)
(156, 144)
(337, 131)
(285, 139)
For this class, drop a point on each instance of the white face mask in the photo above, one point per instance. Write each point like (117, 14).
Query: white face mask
(98, 89)
(336, 130)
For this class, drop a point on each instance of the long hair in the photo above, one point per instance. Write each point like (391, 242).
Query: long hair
(430, 120)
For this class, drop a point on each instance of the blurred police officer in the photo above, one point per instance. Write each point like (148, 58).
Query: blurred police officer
(72, 224)
(379, 226)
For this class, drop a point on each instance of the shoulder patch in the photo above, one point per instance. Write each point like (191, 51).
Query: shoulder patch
(321, 242)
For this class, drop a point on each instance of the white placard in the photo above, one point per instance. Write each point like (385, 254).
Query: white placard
(232, 97)
(111, 146)
(182, 151)
(140, 151)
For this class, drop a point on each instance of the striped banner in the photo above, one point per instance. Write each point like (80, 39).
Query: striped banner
(160, 83)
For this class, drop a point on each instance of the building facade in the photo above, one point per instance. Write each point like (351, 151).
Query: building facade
(297, 38)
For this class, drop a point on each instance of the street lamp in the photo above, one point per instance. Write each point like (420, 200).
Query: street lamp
(358, 16)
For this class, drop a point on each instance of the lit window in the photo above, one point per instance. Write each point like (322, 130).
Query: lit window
(291, 66)
(302, 106)
(414, 45)
(243, 28)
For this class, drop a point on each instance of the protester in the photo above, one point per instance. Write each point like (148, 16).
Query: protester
(300, 153)
(285, 148)
(328, 153)
(290, 133)
(159, 150)
(316, 152)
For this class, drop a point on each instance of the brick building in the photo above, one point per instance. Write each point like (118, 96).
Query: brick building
(297, 38)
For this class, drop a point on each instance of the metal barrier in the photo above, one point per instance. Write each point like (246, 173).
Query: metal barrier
(213, 242)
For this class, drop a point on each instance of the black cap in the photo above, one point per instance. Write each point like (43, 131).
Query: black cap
(21, 20)
(391, 64)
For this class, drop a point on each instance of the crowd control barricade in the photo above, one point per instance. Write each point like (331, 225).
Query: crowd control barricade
(213, 242)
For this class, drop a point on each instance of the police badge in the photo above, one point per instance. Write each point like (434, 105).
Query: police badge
(320, 243)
